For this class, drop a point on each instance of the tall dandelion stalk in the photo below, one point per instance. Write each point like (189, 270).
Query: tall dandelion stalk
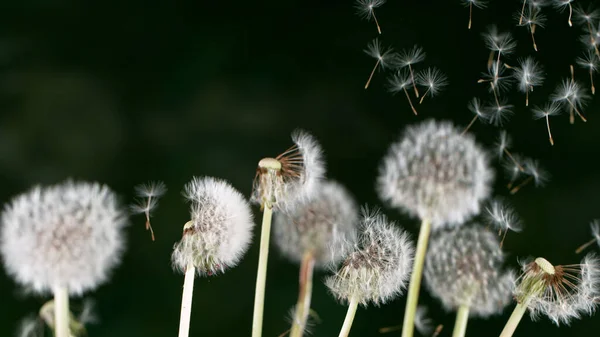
(420, 174)
(280, 183)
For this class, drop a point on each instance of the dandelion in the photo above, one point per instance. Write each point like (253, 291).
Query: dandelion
(586, 17)
(550, 109)
(498, 82)
(383, 55)
(377, 270)
(503, 217)
(503, 142)
(570, 94)
(435, 173)
(280, 183)
(562, 5)
(409, 57)
(216, 237)
(148, 194)
(464, 270)
(513, 169)
(399, 82)
(63, 239)
(318, 233)
(595, 228)
(366, 9)
(499, 114)
(531, 17)
(528, 74)
(562, 293)
(500, 44)
(473, 3)
(590, 62)
(433, 79)
(480, 113)
(536, 174)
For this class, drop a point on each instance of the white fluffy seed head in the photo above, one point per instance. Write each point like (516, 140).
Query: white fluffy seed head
(291, 177)
(220, 229)
(325, 226)
(435, 173)
(464, 267)
(378, 268)
(66, 235)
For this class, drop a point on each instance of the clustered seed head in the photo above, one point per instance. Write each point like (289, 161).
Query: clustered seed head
(464, 267)
(377, 270)
(65, 235)
(290, 177)
(325, 226)
(220, 229)
(561, 293)
(435, 173)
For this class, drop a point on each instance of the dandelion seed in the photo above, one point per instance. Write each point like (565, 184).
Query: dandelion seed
(536, 174)
(497, 81)
(480, 113)
(399, 82)
(409, 57)
(531, 18)
(588, 18)
(513, 169)
(500, 44)
(503, 217)
(595, 228)
(423, 322)
(570, 94)
(528, 74)
(473, 3)
(499, 114)
(590, 62)
(383, 55)
(562, 5)
(503, 142)
(148, 194)
(561, 293)
(433, 79)
(366, 10)
(550, 109)
(591, 42)
(30, 326)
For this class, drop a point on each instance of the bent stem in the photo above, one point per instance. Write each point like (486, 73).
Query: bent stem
(186, 300)
(460, 325)
(349, 317)
(415, 280)
(61, 312)
(514, 319)
(304, 295)
(261, 276)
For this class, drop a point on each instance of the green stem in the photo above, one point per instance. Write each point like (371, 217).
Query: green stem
(349, 317)
(514, 319)
(412, 300)
(460, 325)
(61, 312)
(304, 295)
(261, 277)
(186, 301)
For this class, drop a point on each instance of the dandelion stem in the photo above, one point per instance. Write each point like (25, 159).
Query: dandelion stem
(415, 280)
(61, 312)
(584, 246)
(549, 133)
(349, 317)
(372, 72)
(514, 319)
(469, 126)
(424, 95)
(518, 187)
(376, 22)
(410, 101)
(460, 325)
(304, 295)
(261, 277)
(186, 300)
(470, 13)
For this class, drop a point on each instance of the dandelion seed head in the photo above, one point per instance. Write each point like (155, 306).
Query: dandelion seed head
(433, 172)
(379, 266)
(325, 226)
(464, 266)
(220, 229)
(65, 235)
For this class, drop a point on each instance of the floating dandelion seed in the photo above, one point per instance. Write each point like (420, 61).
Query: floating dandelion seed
(480, 113)
(528, 74)
(531, 17)
(503, 142)
(384, 57)
(503, 217)
(561, 293)
(513, 169)
(399, 82)
(499, 44)
(595, 228)
(366, 9)
(591, 39)
(590, 62)
(496, 80)
(499, 114)
(587, 17)
(473, 3)
(562, 5)
(536, 174)
(433, 79)
(550, 109)
(570, 94)
(148, 194)
(409, 57)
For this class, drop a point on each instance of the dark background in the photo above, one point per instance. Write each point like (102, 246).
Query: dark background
(123, 93)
